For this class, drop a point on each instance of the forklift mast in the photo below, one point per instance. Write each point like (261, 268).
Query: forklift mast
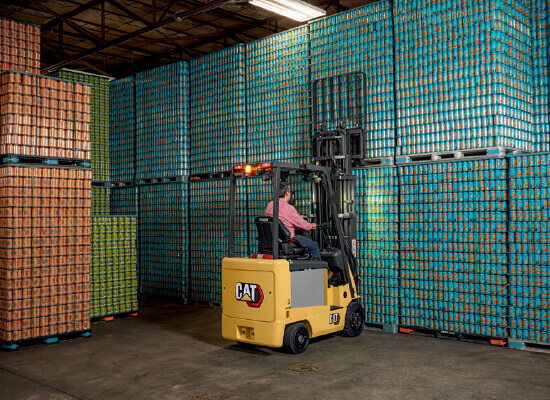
(339, 143)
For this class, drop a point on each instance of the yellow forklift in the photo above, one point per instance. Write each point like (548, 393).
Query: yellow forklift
(279, 296)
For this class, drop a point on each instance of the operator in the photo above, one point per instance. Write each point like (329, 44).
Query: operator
(291, 219)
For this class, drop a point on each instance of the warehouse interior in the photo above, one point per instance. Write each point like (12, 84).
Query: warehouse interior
(405, 145)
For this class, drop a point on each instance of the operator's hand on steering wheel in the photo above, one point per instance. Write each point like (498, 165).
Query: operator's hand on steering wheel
(314, 226)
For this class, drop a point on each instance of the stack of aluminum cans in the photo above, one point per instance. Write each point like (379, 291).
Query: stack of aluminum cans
(218, 110)
(378, 243)
(359, 40)
(453, 246)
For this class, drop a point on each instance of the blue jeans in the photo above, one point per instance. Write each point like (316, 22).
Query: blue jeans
(311, 245)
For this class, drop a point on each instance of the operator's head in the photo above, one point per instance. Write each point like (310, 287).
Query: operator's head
(284, 191)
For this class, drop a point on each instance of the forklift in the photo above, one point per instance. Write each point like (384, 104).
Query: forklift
(280, 297)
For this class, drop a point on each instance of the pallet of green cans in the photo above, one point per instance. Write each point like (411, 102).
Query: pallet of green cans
(114, 266)
(209, 216)
(164, 239)
(101, 201)
(162, 143)
(540, 23)
(218, 110)
(359, 40)
(454, 262)
(378, 243)
(124, 200)
(278, 80)
(99, 126)
(463, 75)
(530, 248)
(122, 129)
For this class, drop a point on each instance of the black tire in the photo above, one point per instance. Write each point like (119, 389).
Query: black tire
(296, 338)
(355, 319)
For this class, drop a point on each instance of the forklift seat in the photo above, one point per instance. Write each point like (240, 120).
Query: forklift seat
(287, 250)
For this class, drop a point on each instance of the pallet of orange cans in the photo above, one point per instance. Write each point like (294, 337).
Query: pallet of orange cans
(530, 248)
(359, 40)
(463, 73)
(378, 244)
(45, 231)
(44, 117)
(19, 46)
(454, 259)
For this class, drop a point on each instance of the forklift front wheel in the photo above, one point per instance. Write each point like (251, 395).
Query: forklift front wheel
(355, 319)
(296, 338)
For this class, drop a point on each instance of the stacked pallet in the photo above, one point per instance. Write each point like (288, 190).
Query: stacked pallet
(277, 70)
(378, 243)
(44, 117)
(162, 146)
(45, 233)
(99, 134)
(164, 239)
(114, 266)
(463, 75)
(453, 246)
(529, 248)
(208, 226)
(218, 110)
(359, 40)
(19, 46)
(540, 22)
(122, 129)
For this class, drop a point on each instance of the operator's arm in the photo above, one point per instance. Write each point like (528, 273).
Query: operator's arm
(297, 221)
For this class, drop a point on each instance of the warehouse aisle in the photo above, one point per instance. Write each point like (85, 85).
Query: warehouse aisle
(167, 354)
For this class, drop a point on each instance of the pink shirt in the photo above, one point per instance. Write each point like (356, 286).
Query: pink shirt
(289, 216)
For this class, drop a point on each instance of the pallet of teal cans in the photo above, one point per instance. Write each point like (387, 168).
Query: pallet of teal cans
(122, 129)
(101, 201)
(278, 86)
(540, 23)
(463, 75)
(454, 262)
(209, 216)
(114, 265)
(124, 200)
(378, 243)
(164, 239)
(99, 126)
(162, 143)
(260, 193)
(359, 40)
(218, 110)
(530, 247)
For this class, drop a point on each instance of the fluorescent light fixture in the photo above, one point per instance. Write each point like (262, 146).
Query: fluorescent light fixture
(294, 9)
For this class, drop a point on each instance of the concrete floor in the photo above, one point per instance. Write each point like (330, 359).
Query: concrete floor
(176, 352)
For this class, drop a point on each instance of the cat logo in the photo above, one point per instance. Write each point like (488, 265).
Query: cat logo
(250, 293)
(334, 319)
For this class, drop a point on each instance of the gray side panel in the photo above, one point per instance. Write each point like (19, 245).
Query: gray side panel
(307, 288)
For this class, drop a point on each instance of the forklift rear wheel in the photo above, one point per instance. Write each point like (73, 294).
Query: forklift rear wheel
(296, 338)
(355, 319)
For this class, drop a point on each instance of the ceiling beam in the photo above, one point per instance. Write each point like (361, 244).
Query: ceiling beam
(128, 12)
(90, 35)
(139, 32)
(86, 6)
